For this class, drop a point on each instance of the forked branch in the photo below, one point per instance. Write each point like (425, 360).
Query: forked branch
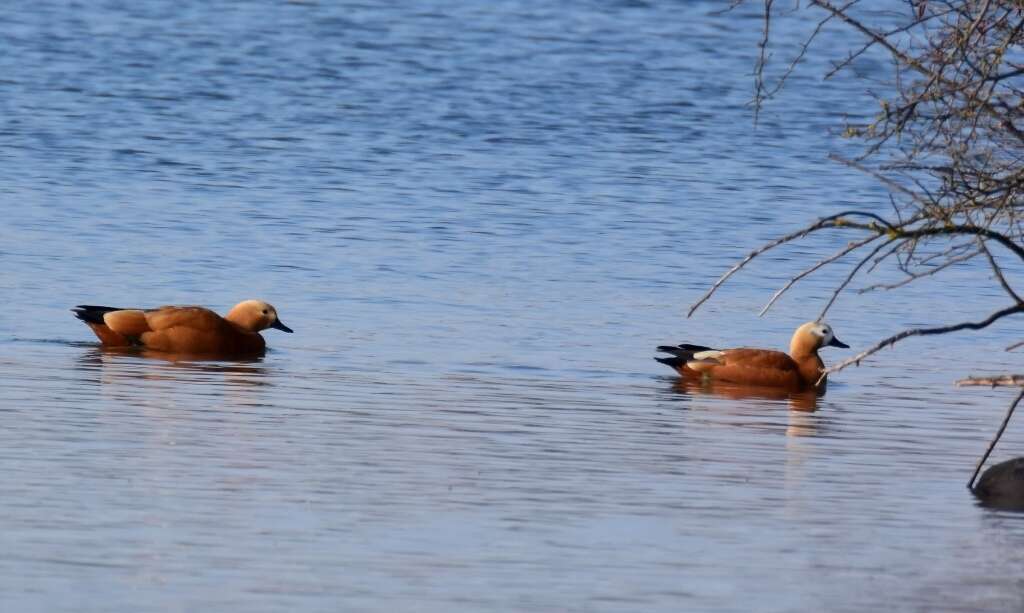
(850, 247)
(831, 221)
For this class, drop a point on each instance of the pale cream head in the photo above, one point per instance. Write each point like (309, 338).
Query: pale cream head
(812, 336)
(256, 315)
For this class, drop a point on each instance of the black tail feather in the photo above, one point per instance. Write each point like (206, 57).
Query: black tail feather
(683, 349)
(681, 354)
(695, 348)
(92, 314)
(672, 362)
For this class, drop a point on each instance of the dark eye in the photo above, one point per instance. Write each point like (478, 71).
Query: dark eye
(264, 311)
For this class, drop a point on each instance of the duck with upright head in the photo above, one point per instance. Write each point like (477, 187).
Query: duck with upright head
(184, 330)
(801, 369)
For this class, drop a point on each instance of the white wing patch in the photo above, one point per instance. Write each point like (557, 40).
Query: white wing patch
(712, 354)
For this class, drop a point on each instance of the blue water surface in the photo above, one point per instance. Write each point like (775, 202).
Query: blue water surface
(479, 218)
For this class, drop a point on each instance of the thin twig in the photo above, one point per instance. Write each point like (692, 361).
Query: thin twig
(878, 260)
(851, 246)
(913, 62)
(892, 185)
(825, 222)
(915, 276)
(992, 444)
(891, 340)
(762, 61)
(764, 93)
(1014, 346)
(941, 230)
(849, 277)
(999, 273)
(837, 221)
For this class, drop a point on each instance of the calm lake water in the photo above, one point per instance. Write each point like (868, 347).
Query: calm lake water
(479, 218)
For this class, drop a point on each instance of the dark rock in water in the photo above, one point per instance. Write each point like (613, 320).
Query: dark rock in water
(1002, 485)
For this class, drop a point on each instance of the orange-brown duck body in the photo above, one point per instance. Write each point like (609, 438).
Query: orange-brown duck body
(801, 369)
(184, 330)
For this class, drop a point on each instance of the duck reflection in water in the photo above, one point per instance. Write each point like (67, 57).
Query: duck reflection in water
(806, 400)
(113, 364)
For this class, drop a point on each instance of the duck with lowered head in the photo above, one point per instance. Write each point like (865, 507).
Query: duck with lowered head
(185, 330)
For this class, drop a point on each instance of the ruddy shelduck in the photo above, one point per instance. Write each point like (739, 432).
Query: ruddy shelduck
(801, 369)
(185, 330)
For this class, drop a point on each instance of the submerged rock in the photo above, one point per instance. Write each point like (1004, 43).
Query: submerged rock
(1002, 485)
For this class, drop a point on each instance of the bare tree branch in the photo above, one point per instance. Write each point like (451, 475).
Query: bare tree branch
(999, 273)
(947, 142)
(850, 247)
(824, 222)
(892, 340)
(1015, 346)
(762, 61)
(915, 276)
(992, 381)
(830, 221)
(849, 277)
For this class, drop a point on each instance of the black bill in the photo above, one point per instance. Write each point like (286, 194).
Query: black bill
(835, 342)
